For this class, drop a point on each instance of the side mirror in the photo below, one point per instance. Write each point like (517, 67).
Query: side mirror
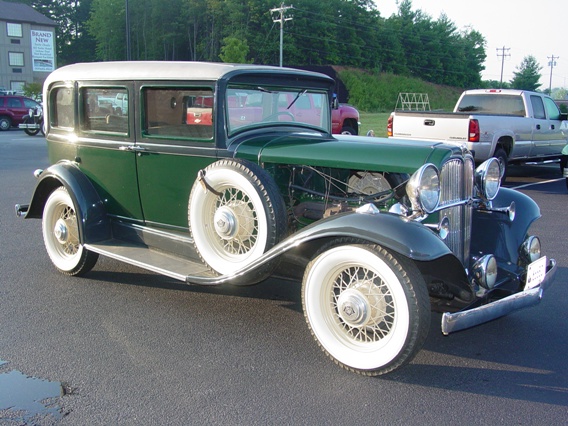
(334, 103)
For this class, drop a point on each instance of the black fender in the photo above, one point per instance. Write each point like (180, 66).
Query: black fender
(94, 224)
(493, 231)
(407, 238)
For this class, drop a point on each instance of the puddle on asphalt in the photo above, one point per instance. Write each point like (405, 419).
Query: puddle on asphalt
(23, 398)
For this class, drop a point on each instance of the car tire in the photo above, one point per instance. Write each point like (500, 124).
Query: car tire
(30, 132)
(236, 214)
(367, 309)
(346, 130)
(5, 123)
(61, 236)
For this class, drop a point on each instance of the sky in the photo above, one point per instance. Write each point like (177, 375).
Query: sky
(523, 27)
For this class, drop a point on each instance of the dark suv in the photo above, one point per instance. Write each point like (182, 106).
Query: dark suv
(13, 109)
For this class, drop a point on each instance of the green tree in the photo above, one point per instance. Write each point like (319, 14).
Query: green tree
(527, 75)
(234, 51)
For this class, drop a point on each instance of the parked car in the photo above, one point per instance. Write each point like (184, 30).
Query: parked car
(379, 232)
(13, 109)
(514, 126)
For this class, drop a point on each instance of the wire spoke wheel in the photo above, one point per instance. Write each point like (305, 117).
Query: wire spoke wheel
(368, 310)
(61, 235)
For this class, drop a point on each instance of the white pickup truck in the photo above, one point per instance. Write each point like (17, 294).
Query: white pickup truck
(515, 126)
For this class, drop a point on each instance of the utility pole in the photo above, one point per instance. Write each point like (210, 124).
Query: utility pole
(551, 64)
(128, 48)
(281, 19)
(503, 54)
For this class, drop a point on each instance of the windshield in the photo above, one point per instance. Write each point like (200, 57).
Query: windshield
(258, 106)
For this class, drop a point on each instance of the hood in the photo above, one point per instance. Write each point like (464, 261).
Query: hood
(343, 151)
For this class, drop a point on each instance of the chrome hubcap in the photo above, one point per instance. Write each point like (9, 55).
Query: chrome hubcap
(225, 222)
(362, 305)
(61, 231)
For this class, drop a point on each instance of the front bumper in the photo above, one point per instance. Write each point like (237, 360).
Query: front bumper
(461, 320)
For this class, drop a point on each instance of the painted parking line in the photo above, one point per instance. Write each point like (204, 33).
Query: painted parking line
(537, 183)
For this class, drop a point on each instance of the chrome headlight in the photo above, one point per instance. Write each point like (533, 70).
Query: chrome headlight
(485, 271)
(488, 179)
(530, 249)
(423, 188)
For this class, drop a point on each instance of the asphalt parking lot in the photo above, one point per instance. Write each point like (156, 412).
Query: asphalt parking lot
(129, 347)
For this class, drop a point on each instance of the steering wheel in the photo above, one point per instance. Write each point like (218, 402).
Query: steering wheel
(276, 114)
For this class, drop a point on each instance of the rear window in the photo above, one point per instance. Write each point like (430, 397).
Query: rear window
(493, 104)
(62, 112)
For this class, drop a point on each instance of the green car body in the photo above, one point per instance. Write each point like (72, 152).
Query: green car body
(206, 176)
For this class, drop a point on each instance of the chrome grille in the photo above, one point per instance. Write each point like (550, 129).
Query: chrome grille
(456, 180)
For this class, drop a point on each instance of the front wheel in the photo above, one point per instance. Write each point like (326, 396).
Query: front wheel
(368, 310)
(61, 235)
(30, 132)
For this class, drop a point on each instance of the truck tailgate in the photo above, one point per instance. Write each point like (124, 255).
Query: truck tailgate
(431, 126)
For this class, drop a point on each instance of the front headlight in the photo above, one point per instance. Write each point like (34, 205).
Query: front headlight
(423, 188)
(488, 179)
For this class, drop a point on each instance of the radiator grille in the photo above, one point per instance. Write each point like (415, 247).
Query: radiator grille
(456, 180)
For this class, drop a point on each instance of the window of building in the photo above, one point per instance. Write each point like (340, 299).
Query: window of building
(16, 59)
(13, 29)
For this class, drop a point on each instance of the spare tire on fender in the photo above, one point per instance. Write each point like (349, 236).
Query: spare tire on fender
(236, 213)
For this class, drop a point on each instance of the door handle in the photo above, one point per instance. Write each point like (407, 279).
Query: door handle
(538, 127)
(132, 148)
(552, 127)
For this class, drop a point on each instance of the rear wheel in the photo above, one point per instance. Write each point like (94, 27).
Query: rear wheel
(61, 235)
(501, 155)
(367, 309)
(5, 123)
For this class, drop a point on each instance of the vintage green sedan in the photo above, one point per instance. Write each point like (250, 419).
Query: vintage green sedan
(229, 174)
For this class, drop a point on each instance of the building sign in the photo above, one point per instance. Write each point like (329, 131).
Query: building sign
(43, 56)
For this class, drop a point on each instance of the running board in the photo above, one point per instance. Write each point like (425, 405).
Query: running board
(163, 263)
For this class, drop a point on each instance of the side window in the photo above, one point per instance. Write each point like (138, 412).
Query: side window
(179, 113)
(61, 113)
(14, 103)
(538, 107)
(104, 110)
(551, 109)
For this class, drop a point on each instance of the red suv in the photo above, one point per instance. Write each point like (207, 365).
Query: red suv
(13, 109)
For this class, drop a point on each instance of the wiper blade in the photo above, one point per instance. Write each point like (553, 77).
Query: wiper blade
(300, 93)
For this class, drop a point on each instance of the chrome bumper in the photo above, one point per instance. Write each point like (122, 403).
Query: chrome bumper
(452, 322)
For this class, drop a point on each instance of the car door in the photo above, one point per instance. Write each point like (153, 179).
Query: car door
(106, 147)
(558, 132)
(173, 144)
(17, 108)
(545, 131)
